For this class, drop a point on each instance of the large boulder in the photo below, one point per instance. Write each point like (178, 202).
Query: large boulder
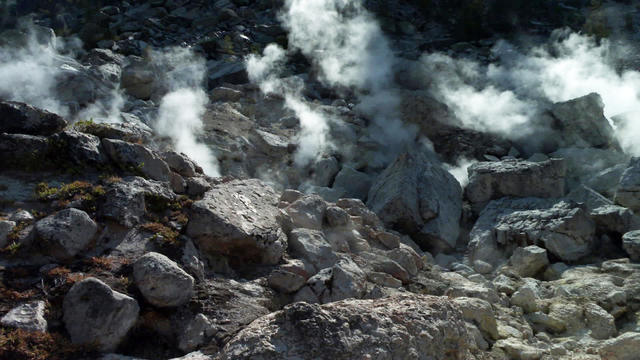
(28, 152)
(493, 180)
(399, 327)
(563, 228)
(66, 233)
(20, 118)
(418, 197)
(137, 158)
(582, 122)
(79, 148)
(238, 219)
(161, 281)
(95, 314)
(628, 192)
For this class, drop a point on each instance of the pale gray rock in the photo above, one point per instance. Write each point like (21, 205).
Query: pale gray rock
(66, 233)
(325, 171)
(79, 147)
(586, 195)
(312, 246)
(342, 281)
(21, 215)
(600, 322)
(337, 216)
(494, 180)
(161, 281)
(631, 244)
(616, 219)
(180, 163)
(628, 192)
(481, 313)
(307, 212)
(585, 163)
(418, 197)
(196, 186)
(285, 281)
(5, 228)
(95, 314)
(239, 219)
(28, 316)
(20, 118)
(194, 333)
(527, 297)
(137, 158)
(529, 261)
(397, 327)
(624, 347)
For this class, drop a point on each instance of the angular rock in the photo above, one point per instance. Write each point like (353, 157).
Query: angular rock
(355, 184)
(424, 326)
(325, 171)
(418, 197)
(601, 323)
(29, 316)
(180, 163)
(481, 312)
(238, 219)
(529, 260)
(285, 281)
(624, 347)
(136, 158)
(628, 192)
(66, 233)
(307, 212)
(615, 219)
(20, 118)
(195, 333)
(161, 281)
(5, 228)
(95, 314)
(78, 147)
(312, 246)
(29, 152)
(494, 180)
(631, 244)
(196, 186)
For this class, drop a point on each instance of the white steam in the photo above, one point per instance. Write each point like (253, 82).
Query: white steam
(505, 96)
(350, 54)
(459, 171)
(181, 109)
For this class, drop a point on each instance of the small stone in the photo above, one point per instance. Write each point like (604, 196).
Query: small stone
(29, 316)
(162, 282)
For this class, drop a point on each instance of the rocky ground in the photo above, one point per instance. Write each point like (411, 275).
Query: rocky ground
(115, 245)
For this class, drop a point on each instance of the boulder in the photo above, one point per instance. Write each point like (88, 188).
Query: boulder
(355, 184)
(20, 118)
(480, 312)
(126, 201)
(28, 152)
(529, 261)
(342, 281)
(582, 122)
(312, 246)
(238, 219)
(137, 158)
(180, 163)
(80, 148)
(563, 228)
(599, 321)
(628, 192)
(66, 233)
(161, 281)
(196, 186)
(286, 281)
(325, 171)
(631, 244)
(95, 314)
(591, 166)
(624, 347)
(398, 327)
(138, 79)
(5, 228)
(615, 219)
(497, 179)
(307, 212)
(416, 196)
(29, 316)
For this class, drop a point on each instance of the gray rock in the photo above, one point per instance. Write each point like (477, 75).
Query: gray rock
(418, 197)
(29, 316)
(529, 261)
(494, 180)
(325, 171)
(196, 186)
(307, 212)
(5, 228)
(137, 158)
(617, 219)
(336, 216)
(285, 281)
(195, 333)
(180, 163)
(238, 219)
(66, 232)
(161, 281)
(79, 147)
(27, 152)
(624, 347)
(600, 322)
(355, 184)
(430, 327)
(631, 244)
(589, 197)
(583, 163)
(480, 312)
(138, 79)
(628, 192)
(311, 245)
(20, 118)
(95, 314)
(21, 215)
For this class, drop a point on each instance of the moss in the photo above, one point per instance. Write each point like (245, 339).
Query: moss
(163, 234)
(34, 345)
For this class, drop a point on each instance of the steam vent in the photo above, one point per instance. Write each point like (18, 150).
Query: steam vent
(319, 180)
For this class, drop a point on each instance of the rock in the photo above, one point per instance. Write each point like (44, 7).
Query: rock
(80, 148)
(418, 197)
(178, 185)
(336, 216)
(399, 327)
(325, 171)
(480, 312)
(563, 228)
(583, 123)
(95, 314)
(384, 279)
(529, 261)
(180, 163)
(631, 244)
(21, 215)
(161, 281)
(583, 163)
(285, 281)
(307, 212)
(66, 233)
(137, 158)
(355, 184)
(615, 219)
(624, 347)
(628, 192)
(197, 186)
(589, 197)
(5, 228)
(126, 200)
(238, 219)
(20, 118)
(28, 152)
(138, 80)
(494, 180)
(312, 246)
(601, 323)
(342, 281)
(195, 333)
(527, 298)
(29, 316)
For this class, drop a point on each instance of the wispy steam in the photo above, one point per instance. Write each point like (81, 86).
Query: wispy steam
(350, 54)
(181, 109)
(505, 96)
